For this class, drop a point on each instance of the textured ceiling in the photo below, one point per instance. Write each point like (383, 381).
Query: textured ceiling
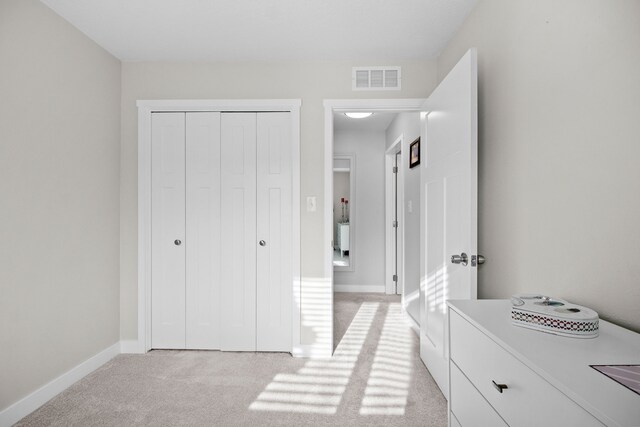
(264, 30)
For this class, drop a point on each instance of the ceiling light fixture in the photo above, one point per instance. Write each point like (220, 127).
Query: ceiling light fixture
(358, 115)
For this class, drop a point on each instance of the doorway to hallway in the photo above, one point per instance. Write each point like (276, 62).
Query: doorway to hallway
(368, 204)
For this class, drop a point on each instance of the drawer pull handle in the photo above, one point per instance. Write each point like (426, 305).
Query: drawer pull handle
(499, 387)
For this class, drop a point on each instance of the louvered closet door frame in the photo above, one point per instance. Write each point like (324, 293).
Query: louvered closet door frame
(145, 111)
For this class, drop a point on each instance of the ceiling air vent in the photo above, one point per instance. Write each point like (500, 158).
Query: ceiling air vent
(376, 78)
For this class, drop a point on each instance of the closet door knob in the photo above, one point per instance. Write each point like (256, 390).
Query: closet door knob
(263, 243)
(177, 242)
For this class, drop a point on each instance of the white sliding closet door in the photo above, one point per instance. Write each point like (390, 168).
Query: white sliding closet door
(203, 230)
(168, 230)
(274, 277)
(238, 232)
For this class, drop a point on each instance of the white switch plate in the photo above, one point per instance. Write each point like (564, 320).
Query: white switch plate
(311, 204)
(410, 206)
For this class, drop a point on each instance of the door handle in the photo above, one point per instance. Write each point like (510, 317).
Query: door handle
(177, 242)
(263, 243)
(499, 387)
(460, 259)
(477, 260)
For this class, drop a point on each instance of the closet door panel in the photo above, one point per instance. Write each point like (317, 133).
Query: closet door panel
(274, 275)
(203, 230)
(167, 229)
(238, 232)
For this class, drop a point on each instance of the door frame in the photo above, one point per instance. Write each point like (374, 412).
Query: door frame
(344, 105)
(145, 109)
(390, 203)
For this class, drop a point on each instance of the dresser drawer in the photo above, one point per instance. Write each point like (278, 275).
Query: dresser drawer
(467, 405)
(529, 400)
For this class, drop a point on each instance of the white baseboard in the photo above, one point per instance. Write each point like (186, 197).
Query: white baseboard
(130, 346)
(311, 351)
(381, 289)
(33, 401)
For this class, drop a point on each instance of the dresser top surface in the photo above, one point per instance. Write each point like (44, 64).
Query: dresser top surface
(565, 362)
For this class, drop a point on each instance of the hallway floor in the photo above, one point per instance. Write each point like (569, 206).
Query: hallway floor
(374, 378)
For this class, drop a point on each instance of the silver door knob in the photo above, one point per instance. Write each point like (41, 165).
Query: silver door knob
(263, 243)
(460, 259)
(477, 260)
(177, 242)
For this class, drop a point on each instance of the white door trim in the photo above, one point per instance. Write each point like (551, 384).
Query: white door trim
(337, 105)
(390, 249)
(145, 109)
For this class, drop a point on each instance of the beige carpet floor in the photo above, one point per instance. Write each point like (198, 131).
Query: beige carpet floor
(375, 378)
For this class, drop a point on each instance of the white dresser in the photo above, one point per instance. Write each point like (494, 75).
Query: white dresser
(343, 237)
(548, 378)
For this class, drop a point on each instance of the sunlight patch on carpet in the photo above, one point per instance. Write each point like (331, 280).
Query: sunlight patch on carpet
(319, 385)
(388, 385)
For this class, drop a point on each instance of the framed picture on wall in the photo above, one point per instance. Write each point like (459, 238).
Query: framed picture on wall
(414, 153)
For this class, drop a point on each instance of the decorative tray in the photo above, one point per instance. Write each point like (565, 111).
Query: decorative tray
(555, 316)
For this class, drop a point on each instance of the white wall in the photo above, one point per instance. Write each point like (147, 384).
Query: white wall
(312, 82)
(59, 198)
(408, 125)
(559, 143)
(367, 255)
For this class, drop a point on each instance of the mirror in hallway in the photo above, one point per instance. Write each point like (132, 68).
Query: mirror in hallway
(343, 209)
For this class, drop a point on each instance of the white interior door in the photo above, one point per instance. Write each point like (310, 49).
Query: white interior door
(274, 274)
(202, 244)
(168, 230)
(238, 232)
(449, 226)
